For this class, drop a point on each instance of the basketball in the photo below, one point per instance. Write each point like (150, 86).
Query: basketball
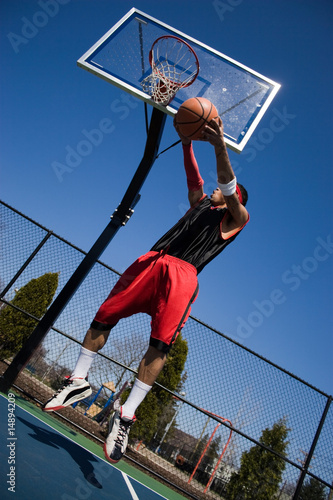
(193, 115)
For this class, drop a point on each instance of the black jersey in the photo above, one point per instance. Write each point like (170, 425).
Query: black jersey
(197, 237)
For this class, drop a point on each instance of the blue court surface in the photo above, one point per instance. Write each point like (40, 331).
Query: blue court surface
(39, 462)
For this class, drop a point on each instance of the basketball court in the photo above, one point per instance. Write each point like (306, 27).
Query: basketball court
(55, 462)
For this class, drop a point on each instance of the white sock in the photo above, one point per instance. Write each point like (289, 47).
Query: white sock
(137, 395)
(83, 363)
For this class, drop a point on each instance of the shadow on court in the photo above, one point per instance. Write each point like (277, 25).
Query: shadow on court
(39, 462)
(82, 457)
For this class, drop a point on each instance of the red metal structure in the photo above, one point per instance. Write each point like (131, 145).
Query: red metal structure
(206, 448)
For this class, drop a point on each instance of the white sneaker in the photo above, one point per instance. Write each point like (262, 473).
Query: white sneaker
(116, 442)
(72, 391)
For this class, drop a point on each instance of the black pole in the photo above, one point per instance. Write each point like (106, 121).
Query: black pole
(118, 219)
(312, 449)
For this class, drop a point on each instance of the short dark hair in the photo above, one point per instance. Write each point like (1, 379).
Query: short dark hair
(245, 196)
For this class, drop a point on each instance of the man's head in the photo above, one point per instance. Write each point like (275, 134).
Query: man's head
(217, 197)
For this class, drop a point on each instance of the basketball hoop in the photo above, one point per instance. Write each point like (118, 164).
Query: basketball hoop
(174, 65)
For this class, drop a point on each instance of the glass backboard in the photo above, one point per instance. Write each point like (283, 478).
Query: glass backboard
(240, 94)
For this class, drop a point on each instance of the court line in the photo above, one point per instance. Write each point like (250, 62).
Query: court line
(129, 486)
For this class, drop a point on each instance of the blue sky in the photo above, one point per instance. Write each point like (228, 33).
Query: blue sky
(272, 289)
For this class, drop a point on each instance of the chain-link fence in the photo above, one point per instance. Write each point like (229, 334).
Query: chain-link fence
(239, 426)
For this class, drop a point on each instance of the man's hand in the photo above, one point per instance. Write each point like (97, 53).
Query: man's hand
(213, 133)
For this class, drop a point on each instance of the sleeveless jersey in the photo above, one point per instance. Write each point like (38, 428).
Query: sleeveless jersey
(196, 237)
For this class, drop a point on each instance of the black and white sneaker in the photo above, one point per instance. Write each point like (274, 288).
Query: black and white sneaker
(116, 442)
(72, 391)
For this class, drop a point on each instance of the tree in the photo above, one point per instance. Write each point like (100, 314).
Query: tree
(313, 490)
(157, 400)
(214, 449)
(33, 298)
(261, 471)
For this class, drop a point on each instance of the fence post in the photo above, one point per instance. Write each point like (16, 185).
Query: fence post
(312, 449)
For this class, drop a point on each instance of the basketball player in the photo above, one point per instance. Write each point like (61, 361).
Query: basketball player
(163, 283)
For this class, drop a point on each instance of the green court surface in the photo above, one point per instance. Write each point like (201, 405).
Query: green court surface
(42, 458)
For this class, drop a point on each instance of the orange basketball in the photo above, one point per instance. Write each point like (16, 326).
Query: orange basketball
(193, 115)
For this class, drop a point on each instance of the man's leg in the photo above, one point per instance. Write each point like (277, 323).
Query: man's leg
(95, 339)
(92, 343)
(150, 367)
(76, 387)
(174, 291)
(123, 300)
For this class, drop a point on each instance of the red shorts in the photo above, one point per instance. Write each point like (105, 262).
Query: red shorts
(157, 284)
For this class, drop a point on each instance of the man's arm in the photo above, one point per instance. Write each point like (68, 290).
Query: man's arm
(213, 133)
(194, 180)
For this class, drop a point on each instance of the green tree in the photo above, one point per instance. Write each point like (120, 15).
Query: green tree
(261, 471)
(313, 490)
(212, 453)
(157, 400)
(34, 298)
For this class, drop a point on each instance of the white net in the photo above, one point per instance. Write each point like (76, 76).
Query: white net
(174, 65)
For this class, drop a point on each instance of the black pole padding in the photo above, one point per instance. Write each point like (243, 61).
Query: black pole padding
(118, 219)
